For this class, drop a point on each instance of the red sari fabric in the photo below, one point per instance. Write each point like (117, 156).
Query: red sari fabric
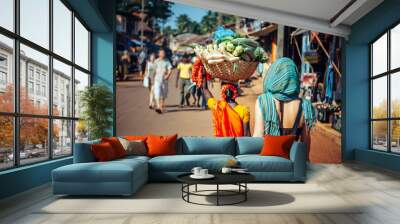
(227, 122)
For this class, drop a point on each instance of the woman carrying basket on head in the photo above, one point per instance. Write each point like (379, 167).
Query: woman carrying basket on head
(229, 118)
(280, 110)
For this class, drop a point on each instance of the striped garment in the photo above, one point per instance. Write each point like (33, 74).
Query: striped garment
(282, 83)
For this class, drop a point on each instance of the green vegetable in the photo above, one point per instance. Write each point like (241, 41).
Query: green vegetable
(238, 51)
(258, 53)
(235, 67)
(227, 38)
(245, 41)
(230, 47)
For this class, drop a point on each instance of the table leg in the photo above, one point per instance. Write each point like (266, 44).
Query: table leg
(245, 193)
(217, 194)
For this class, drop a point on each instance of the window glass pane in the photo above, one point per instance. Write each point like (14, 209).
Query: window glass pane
(379, 55)
(7, 14)
(35, 21)
(33, 139)
(6, 142)
(62, 29)
(379, 97)
(6, 74)
(395, 94)
(81, 45)
(62, 138)
(81, 131)
(395, 47)
(395, 136)
(379, 135)
(34, 97)
(62, 89)
(81, 82)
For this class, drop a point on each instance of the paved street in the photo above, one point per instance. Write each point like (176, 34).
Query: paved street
(134, 116)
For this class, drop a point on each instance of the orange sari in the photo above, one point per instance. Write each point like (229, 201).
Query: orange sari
(227, 122)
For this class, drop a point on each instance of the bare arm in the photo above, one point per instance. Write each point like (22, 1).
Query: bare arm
(258, 121)
(169, 72)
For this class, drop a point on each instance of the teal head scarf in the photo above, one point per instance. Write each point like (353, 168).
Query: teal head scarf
(282, 83)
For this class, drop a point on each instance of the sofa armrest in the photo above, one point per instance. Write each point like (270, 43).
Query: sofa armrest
(298, 155)
(83, 153)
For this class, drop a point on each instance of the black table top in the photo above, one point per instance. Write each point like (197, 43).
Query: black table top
(220, 178)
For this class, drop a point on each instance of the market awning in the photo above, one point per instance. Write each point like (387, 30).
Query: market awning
(326, 16)
(264, 31)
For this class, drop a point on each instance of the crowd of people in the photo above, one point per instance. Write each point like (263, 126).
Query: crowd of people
(192, 80)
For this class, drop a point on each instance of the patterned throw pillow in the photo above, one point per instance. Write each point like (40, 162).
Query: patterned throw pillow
(134, 147)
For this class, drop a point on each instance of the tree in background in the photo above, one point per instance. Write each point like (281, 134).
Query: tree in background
(380, 127)
(209, 22)
(34, 131)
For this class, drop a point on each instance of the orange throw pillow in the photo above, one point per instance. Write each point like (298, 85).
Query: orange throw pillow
(277, 145)
(116, 145)
(161, 145)
(103, 152)
(135, 137)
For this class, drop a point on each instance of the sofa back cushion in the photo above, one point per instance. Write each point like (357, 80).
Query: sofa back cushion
(161, 145)
(83, 152)
(206, 145)
(104, 152)
(249, 145)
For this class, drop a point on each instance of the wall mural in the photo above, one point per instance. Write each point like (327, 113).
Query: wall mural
(196, 72)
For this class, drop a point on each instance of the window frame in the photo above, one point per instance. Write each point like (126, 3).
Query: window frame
(16, 113)
(388, 74)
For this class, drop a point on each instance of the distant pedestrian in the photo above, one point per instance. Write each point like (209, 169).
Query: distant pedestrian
(163, 70)
(148, 80)
(142, 58)
(185, 70)
(125, 62)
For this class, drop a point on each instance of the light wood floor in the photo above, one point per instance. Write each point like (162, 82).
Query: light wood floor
(379, 190)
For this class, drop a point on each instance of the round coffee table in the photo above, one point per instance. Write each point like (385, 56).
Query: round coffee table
(238, 179)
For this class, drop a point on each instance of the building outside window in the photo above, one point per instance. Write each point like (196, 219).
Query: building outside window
(58, 128)
(385, 95)
(30, 87)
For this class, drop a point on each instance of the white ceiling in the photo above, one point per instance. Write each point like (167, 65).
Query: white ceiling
(313, 15)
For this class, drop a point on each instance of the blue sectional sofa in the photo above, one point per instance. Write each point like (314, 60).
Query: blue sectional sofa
(125, 176)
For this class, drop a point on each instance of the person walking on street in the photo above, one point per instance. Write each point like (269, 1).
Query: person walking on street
(201, 77)
(163, 70)
(148, 80)
(142, 58)
(185, 70)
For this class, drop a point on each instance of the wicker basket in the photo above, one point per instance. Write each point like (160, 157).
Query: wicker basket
(225, 71)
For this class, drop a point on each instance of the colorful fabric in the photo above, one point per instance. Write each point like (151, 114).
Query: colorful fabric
(232, 88)
(197, 73)
(227, 122)
(184, 70)
(243, 111)
(282, 83)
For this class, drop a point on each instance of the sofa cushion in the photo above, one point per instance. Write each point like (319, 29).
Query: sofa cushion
(206, 145)
(257, 163)
(112, 171)
(249, 145)
(185, 163)
(161, 145)
(116, 145)
(83, 152)
(103, 152)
